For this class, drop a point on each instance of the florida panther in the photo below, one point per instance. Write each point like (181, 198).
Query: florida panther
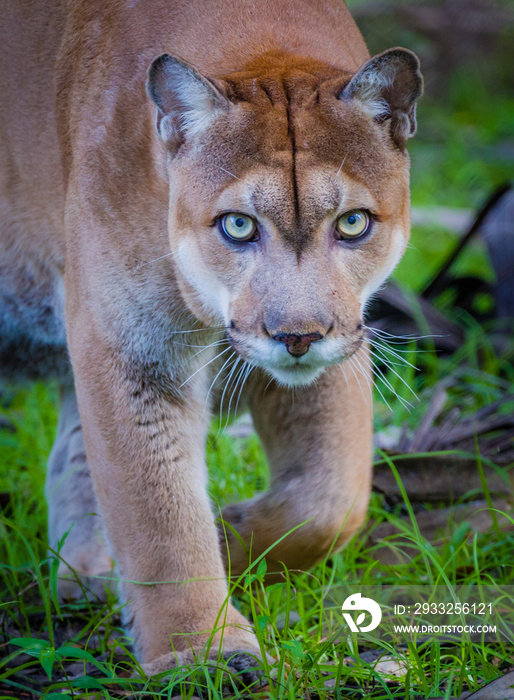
(193, 194)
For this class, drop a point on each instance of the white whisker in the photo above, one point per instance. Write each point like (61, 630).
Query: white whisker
(388, 365)
(227, 383)
(385, 348)
(350, 365)
(361, 369)
(138, 266)
(237, 380)
(248, 371)
(342, 163)
(222, 329)
(230, 357)
(386, 344)
(379, 349)
(378, 372)
(407, 338)
(229, 173)
(380, 375)
(267, 385)
(211, 345)
(190, 345)
(204, 366)
(341, 367)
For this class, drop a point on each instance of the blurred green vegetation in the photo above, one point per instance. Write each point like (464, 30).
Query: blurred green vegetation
(464, 146)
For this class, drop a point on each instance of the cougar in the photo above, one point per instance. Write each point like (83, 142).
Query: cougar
(197, 202)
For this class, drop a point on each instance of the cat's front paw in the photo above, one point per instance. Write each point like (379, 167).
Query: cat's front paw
(243, 663)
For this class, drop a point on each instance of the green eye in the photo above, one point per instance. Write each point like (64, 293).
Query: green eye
(238, 227)
(353, 224)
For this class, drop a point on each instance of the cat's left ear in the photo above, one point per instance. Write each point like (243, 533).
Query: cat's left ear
(388, 86)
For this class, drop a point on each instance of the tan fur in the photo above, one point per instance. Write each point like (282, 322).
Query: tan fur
(116, 193)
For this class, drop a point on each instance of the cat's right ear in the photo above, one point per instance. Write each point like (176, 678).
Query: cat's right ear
(187, 102)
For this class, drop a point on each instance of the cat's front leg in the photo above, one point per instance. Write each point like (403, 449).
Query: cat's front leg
(145, 448)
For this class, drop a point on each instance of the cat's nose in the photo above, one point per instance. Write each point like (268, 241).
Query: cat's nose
(297, 344)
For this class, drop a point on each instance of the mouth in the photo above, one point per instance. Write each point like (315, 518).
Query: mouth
(290, 371)
(296, 375)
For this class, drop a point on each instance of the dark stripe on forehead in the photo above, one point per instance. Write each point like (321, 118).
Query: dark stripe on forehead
(294, 174)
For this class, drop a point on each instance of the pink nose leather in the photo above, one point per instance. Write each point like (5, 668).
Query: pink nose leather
(296, 344)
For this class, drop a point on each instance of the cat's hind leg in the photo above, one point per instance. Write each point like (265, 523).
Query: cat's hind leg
(73, 511)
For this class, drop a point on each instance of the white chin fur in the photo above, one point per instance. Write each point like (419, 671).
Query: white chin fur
(296, 375)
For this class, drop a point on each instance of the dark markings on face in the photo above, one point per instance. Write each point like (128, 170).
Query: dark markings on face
(291, 122)
(294, 174)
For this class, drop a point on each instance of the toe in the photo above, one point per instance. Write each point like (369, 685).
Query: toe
(248, 668)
